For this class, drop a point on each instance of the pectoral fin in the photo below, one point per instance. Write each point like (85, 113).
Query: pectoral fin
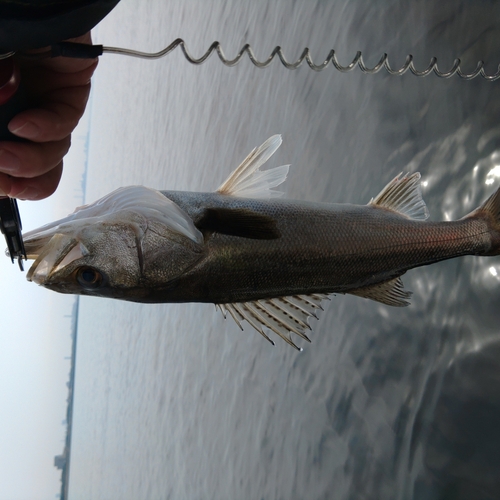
(282, 315)
(239, 222)
(390, 292)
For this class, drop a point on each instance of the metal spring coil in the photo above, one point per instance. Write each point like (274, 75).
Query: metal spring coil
(306, 56)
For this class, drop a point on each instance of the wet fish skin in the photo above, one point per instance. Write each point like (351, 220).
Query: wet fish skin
(323, 248)
(269, 262)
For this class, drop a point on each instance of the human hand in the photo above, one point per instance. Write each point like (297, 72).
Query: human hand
(59, 89)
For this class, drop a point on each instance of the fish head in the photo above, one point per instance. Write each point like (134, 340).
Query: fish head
(123, 246)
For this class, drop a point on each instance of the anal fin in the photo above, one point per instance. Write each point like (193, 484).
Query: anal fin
(391, 293)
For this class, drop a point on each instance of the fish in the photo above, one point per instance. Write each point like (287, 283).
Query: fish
(261, 259)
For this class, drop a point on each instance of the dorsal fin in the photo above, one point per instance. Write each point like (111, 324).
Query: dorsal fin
(403, 195)
(247, 181)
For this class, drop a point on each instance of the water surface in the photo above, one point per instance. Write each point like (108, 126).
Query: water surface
(171, 401)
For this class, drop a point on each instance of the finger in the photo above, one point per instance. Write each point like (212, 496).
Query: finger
(69, 64)
(29, 159)
(60, 64)
(54, 119)
(36, 188)
(5, 184)
(40, 80)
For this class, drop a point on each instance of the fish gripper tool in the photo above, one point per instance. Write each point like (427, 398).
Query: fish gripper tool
(10, 225)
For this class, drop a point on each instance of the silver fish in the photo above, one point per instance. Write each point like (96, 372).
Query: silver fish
(260, 259)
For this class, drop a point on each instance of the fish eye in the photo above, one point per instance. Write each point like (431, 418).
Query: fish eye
(89, 277)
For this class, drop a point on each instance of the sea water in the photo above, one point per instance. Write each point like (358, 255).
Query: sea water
(172, 401)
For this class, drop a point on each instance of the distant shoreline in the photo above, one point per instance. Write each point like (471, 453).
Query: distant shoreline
(63, 461)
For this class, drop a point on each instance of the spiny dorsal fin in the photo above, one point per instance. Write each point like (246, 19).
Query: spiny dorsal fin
(403, 195)
(390, 292)
(282, 315)
(247, 181)
(239, 222)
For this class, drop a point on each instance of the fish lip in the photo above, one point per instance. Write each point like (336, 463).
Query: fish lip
(44, 266)
(34, 247)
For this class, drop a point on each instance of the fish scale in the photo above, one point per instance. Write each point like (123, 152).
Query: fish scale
(323, 248)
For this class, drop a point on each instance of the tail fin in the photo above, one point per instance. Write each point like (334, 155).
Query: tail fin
(490, 211)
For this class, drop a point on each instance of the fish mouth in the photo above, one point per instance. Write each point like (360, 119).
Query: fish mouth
(50, 255)
(49, 246)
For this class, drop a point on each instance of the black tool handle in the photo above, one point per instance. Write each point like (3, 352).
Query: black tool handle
(12, 96)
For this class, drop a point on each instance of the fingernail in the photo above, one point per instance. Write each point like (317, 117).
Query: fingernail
(9, 163)
(29, 193)
(28, 130)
